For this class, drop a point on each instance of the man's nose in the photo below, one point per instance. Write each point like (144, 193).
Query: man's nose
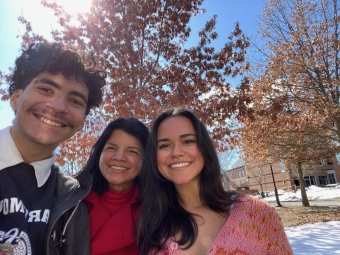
(58, 104)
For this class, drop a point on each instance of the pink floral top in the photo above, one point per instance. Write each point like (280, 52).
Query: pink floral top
(253, 227)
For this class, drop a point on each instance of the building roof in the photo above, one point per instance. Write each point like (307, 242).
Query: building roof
(238, 163)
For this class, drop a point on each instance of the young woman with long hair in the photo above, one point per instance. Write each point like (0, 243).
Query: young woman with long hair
(185, 209)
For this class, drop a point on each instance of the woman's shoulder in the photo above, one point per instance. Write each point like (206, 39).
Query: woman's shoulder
(248, 201)
(254, 227)
(258, 214)
(252, 208)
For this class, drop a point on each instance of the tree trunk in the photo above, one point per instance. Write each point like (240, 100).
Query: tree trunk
(261, 186)
(304, 197)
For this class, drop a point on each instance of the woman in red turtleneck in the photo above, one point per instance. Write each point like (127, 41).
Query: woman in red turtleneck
(114, 164)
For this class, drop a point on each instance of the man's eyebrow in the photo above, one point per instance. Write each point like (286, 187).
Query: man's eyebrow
(57, 86)
(50, 82)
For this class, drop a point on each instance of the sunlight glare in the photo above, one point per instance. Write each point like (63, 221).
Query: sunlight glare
(75, 6)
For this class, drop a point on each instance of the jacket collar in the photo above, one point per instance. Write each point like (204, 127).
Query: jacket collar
(10, 156)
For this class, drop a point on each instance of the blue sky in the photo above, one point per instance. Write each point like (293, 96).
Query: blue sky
(229, 12)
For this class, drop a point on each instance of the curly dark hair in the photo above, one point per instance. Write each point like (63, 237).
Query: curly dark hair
(129, 125)
(56, 59)
(159, 196)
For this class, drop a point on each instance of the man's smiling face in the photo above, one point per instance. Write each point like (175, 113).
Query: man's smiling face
(49, 110)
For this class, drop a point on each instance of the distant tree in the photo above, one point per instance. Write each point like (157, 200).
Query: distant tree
(141, 44)
(296, 90)
(227, 158)
(255, 174)
(301, 71)
(267, 141)
(228, 182)
(70, 168)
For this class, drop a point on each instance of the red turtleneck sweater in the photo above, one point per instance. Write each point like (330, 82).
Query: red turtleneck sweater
(112, 217)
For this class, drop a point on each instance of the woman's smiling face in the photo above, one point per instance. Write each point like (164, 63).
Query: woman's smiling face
(179, 159)
(121, 159)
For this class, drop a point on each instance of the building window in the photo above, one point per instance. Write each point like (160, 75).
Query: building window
(331, 178)
(282, 166)
(309, 180)
(323, 180)
(312, 180)
(322, 162)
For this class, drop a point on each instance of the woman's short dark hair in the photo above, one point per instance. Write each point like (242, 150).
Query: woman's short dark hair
(159, 196)
(54, 58)
(129, 125)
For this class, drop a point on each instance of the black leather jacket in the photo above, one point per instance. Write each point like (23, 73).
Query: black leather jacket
(68, 230)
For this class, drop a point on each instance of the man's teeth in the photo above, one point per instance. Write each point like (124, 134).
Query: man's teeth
(51, 123)
(119, 167)
(180, 164)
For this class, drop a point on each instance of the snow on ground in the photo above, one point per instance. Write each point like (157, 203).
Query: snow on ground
(321, 238)
(313, 193)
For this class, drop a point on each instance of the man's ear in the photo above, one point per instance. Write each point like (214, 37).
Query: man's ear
(14, 100)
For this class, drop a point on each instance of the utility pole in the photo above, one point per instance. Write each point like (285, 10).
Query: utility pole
(278, 204)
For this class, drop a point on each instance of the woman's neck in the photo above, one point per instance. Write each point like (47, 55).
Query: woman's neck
(189, 196)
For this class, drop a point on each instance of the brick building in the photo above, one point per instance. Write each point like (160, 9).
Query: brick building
(321, 173)
(260, 178)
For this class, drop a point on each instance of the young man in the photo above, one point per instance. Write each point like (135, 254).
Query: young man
(52, 90)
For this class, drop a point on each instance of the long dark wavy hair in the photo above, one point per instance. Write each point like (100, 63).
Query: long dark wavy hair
(129, 125)
(161, 215)
(54, 58)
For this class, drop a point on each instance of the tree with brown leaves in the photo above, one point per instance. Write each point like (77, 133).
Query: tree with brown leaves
(141, 44)
(266, 141)
(296, 96)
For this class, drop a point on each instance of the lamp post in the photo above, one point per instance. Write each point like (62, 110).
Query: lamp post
(278, 204)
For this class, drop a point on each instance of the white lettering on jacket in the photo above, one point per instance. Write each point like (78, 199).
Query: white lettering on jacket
(14, 205)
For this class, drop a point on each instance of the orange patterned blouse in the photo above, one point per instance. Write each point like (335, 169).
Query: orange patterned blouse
(253, 228)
